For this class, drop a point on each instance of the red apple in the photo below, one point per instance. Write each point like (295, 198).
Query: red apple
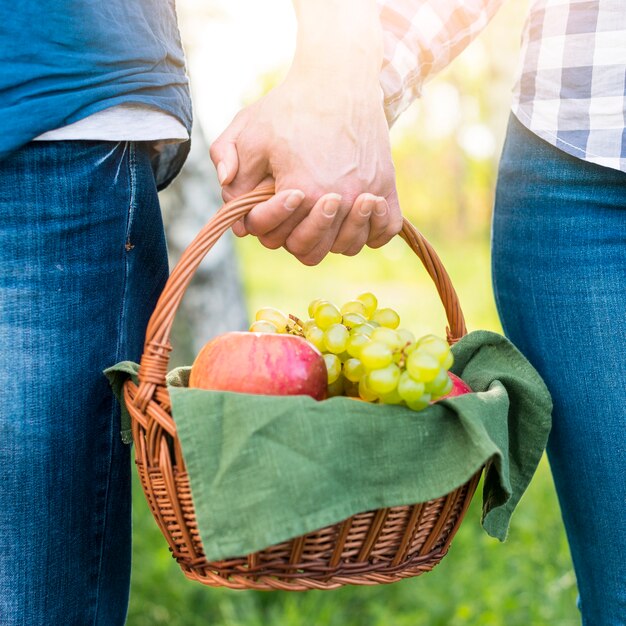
(459, 387)
(269, 364)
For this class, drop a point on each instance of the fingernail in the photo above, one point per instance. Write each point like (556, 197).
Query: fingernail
(331, 205)
(367, 206)
(381, 207)
(222, 172)
(294, 200)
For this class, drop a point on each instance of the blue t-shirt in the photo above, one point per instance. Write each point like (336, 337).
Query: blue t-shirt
(63, 60)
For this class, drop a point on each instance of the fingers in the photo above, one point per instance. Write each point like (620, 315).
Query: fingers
(309, 235)
(355, 229)
(240, 158)
(386, 221)
(274, 138)
(239, 229)
(373, 220)
(307, 227)
(227, 164)
(312, 239)
(267, 216)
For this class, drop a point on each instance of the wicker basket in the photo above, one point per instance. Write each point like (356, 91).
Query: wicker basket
(369, 548)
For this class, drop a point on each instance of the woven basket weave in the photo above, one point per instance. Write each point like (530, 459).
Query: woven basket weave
(369, 548)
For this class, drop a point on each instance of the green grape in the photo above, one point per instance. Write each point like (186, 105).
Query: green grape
(336, 388)
(386, 317)
(353, 319)
(410, 390)
(375, 355)
(448, 361)
(441, 382)
(315, 335)
(365, 392)
(445, 389)
(422, 366)
(407, 336)
(438, 347)
(313, 306)
(263, 326)
(438, 343)
(353, 370)
(364, 329)
(355, 343)
(420, 404)
(344, 356)
(269, 314)
(384, 380)
(308, 324)
(326, 314)
(336, 338)
(333, 367)
(370, 301)
(354, 306)
(392, 398)
(387, 336)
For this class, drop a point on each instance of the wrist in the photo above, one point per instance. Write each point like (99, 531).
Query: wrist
(339, 39)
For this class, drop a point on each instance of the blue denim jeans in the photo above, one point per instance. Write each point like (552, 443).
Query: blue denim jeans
(559, 271)
(82, 261)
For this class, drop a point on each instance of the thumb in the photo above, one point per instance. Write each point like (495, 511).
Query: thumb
(223, 152)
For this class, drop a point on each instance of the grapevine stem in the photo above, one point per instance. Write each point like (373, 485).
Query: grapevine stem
(295, 325)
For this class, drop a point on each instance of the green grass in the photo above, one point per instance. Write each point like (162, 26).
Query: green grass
(393, 273)
(526, 581)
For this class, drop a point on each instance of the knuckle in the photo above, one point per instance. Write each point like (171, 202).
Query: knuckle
(377, 243)
(306, 252)
(297, 248)
(215, 150)
(352, 251)
(311, 259)
(270, 242)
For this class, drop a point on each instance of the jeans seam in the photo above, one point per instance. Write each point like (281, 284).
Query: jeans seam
(132, 184)
(132, 177)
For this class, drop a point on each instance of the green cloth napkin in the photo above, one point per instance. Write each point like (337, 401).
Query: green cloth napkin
(264, 469)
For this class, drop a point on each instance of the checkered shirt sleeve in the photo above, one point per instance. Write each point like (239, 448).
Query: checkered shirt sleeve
(571, 90)
(420, 38)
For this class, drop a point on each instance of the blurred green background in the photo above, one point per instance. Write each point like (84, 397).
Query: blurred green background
(445, 151)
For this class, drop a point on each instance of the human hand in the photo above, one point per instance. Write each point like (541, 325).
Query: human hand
(322, 138)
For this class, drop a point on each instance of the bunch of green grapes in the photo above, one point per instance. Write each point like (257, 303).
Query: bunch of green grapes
(367, 355)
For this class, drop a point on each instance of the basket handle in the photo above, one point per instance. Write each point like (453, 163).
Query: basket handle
(155, 358)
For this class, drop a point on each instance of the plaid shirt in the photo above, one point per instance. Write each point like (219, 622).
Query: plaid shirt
(571, 87)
